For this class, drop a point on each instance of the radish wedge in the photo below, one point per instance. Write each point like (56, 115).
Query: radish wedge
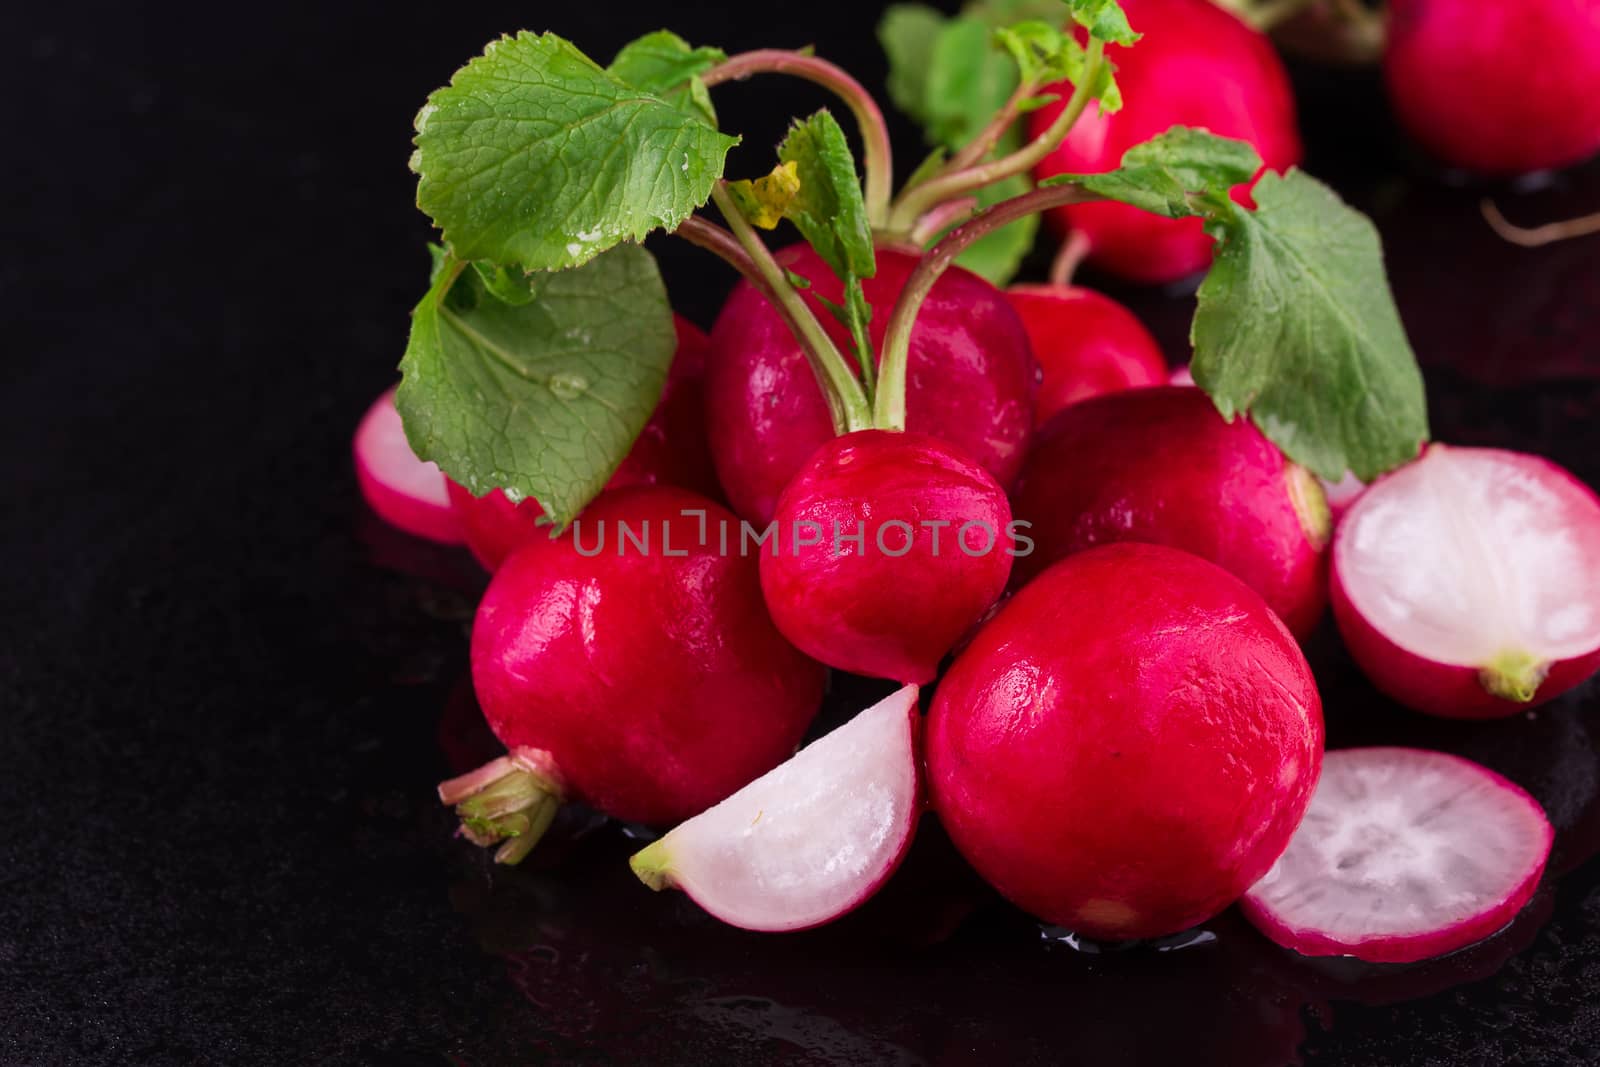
(1467, 584)
(401, 488)
(1404, 855)
(811, 839)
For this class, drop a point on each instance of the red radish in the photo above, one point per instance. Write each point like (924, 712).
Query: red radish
(970, 380)
(810, 840)
(670, 450)
(1086, 344)
(1467, 583)
(1498, 89)
(401, 488)
(1403, 855)
(1182, 376)
(649, 683)
(1127, 746)
(1162, 465)
(1196, 65)
(889, 546)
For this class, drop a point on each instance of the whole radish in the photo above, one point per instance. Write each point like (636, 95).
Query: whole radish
(670, 450)
(971, 377)
(889, 546)
(1499, 89)
(405, 491)
(1196, 65)
(642, 677)
(1086, 344)
(1161, 465)
(1467, 584)
(1128, 745)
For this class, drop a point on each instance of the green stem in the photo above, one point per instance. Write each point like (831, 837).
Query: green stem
(980, 146)
(890, 409)
(510, 801)
(878, 156)
(847, 403)
(922, 198)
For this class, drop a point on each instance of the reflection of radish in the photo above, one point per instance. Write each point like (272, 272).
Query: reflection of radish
(650, 683)
(1403, 855)
(970, 379)
(404, 490)
(1161, 465)
(1086, 344)
(1467, 584)
(812, 838)
(1497, 88)
(1127, 746)
(670, 450)
(928, 530)
(1196, 65)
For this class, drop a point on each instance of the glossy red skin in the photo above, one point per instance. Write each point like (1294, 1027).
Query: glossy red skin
(1129, 745)
(1161, 465)
(1417, 947)
(1499, 89)
(1196, 65)
(871, 613)
(1086, 344)
(657, 684)
(1442, 689)
(970, 379)
(670, 450)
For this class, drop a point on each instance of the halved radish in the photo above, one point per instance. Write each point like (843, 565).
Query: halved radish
(401, 488)
(1467, 584)
(811, 839)
(1404, 854)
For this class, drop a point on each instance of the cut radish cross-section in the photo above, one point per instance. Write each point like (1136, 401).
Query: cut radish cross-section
(1467, 584)
(811, 839)
(1403, 855)
(401, 488)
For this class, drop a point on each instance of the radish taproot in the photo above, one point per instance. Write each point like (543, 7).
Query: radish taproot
(1498, 89)
(1127, 746)
(1161, 465)
(811, 839)
(1403, 855)
(404, 490)
(1085, 343)
(971, 377)
(1467, 584)
(643, 677)
(1196, 65)
(860, 577)
(670, 450)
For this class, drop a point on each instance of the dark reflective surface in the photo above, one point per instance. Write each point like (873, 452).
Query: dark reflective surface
(227, 691)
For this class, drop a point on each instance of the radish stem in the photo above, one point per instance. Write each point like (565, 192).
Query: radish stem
(890, 407)
(1071, 256)
(847, 401)
(1537, 236)
(878, 161)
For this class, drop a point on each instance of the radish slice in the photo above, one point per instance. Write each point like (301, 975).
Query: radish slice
(1403, 855)
(1342, 493)
(811, 839)
(1467, 584)
(404, 490)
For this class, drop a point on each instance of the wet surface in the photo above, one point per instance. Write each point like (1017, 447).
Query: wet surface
(226, 691)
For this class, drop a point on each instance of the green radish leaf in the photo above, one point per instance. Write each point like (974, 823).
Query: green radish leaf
(1103, 19)
(1296, 325)
(535, 157)
(663, 63)
(828, 208)
(545, 399)
(907, 33)
(1179, 173)
(507, 284)
(968, 80)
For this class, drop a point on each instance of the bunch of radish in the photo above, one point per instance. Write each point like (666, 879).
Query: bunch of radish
(881, 462)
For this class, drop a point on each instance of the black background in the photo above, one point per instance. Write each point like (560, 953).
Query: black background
(222, 681)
